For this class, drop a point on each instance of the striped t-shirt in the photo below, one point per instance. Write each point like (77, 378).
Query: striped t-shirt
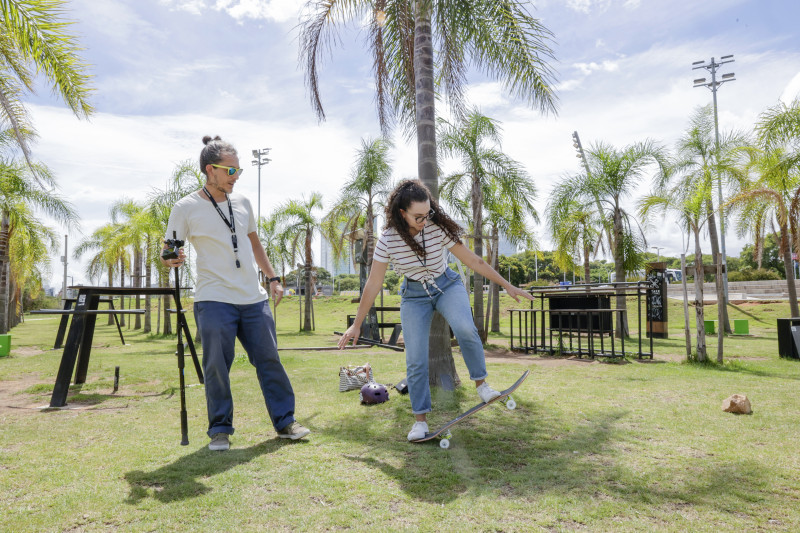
(392, 247)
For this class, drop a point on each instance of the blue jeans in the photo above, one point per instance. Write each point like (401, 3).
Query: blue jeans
(448, 296)
(220, 324)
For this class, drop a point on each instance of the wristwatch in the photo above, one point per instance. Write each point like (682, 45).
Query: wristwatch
(276, 278)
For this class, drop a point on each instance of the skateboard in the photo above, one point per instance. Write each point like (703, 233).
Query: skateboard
(444, 431)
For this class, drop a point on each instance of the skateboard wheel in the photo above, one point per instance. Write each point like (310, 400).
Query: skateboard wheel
(448, 435)
(444, 444)
(511, 404)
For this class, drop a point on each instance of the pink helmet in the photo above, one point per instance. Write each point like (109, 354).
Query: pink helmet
(373, 393)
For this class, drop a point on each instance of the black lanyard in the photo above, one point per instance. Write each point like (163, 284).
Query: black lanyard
(424, 259)
(231, 224)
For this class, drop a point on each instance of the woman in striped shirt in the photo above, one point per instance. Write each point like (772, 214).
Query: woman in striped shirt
(416, 239)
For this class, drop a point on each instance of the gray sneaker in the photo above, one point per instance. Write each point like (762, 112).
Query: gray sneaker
(293, 431)
(219, 442)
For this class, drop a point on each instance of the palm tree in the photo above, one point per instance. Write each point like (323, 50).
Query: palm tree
(361, 198)
(576, 231)
(507, 217)
(498, 36)
(691, 206)
(699, 158)
(29, 249)
(780, 125)
(139, 230)
(490, 177)
(297, 224)
(613, 177)
(24, 189)
(35, 42)
(774, 195)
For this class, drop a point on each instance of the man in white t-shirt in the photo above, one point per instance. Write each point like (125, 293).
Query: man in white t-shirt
(230, 302)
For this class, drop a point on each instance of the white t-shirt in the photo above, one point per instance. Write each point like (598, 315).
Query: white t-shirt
(392, 247)
(195, 220)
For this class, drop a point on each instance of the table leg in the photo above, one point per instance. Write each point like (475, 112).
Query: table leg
(62, 327)
(86, 340)
(116, 321)
(70, 355)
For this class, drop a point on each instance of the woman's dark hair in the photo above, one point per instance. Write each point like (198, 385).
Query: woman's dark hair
(213, 151)
(402, 196)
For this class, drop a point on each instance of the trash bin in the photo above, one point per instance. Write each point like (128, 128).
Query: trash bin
(5, 345)
(711, 326)
(741, 326)
(787, 327)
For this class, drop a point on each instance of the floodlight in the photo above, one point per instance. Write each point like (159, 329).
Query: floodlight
(697, 63)
(728, 76)
(699, 80)
(726, 57)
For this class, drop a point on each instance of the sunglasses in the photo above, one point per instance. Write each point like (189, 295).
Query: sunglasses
(420, 218)
(231, 170)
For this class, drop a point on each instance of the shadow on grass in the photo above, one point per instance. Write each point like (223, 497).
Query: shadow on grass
(747, 313)
(180, 479)
(738, 367)
(522, 452)
(531, 452)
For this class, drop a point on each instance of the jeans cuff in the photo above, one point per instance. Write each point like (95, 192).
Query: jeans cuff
(425, 412)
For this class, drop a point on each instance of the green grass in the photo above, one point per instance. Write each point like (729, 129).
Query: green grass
(638, 446)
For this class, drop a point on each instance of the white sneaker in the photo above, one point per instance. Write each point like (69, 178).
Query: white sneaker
(487, 393)
(418, 430)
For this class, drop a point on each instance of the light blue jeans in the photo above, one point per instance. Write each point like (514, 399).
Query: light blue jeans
(449, 297)
(220, 325)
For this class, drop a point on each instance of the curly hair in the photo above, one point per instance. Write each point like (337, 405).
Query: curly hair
(402, 196)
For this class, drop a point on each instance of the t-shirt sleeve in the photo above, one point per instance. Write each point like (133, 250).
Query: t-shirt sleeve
(177, 224)
(447, 242)
(381, 253)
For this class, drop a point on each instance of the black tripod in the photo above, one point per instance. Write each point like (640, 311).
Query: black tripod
(183, 329)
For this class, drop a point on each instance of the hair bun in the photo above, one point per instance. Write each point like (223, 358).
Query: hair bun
(207, 139)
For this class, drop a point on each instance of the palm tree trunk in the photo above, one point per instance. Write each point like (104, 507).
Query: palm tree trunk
(165, 305)
(786, 249)
(587, 271)
(137, 282)
(307, 276)
(121, 296)
(442, 368)
(699, 277)
(719, 285)
(4, 273)
(110, 284)
(619, 270)
(148, 305)
(494, 288)
(477, 287)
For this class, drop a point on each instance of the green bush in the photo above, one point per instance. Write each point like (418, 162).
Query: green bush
(754, 274)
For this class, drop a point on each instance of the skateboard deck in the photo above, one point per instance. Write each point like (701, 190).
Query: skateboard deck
(504, 395)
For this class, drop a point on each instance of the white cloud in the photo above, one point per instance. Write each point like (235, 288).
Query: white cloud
(195, 7)
(605, 66)
(274, 10)
(792, 90)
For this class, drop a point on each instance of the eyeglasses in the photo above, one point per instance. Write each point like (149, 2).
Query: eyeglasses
(420, 218)
(231, 170)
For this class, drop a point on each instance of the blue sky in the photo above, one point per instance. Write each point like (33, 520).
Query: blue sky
(167, 72)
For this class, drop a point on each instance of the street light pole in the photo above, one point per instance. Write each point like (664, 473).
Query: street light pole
(259, 161)
(658, 252)
(712, 67)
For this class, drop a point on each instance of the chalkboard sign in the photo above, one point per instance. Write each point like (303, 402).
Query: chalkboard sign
(655, 311)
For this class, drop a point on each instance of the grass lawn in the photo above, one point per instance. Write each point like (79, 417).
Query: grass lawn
(627, 446)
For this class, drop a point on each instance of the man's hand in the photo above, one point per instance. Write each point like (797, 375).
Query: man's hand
(276, 291)
(175, 262)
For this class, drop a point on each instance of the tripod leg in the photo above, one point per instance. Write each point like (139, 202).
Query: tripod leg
(184, 418)
(192, 350)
